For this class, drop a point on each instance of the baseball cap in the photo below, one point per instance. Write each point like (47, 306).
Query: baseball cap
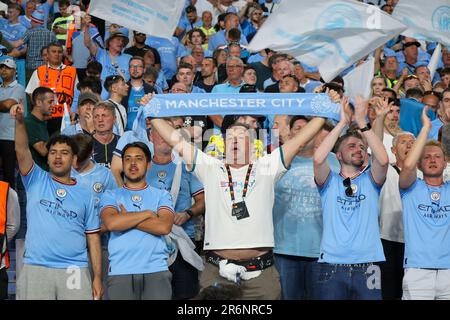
(229, 120)
(85, 96)
(412, 43)
(38, 17)
(10, 63)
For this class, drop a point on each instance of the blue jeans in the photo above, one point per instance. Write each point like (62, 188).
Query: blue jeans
(347, 282)
(296, 276)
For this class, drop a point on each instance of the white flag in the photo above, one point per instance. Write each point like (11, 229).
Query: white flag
(426, 20)
(359, 80)
(331, 35)
(156, 17)
(434, 61)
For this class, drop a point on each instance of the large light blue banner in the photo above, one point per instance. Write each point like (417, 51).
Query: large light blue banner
(308, 104)
(156, 17)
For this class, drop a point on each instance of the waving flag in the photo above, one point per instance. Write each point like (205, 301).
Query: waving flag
(434, 61)
(66, 118)
(156, 17)
(330, 35)
(359, 80)
(429, 20)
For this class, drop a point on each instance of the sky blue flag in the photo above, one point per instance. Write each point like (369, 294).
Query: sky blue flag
(429, 20)
(158, 18)
(330, 35)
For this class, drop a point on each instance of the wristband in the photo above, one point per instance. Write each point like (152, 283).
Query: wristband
(189, 213)
(366, 128)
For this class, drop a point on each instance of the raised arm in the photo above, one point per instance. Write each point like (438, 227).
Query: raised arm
(298, 142)
(174, 138)
(409, 171)
(321, 166)
(87, 37)
(23, 152)
(116, 170)
(382, 108)
(380, 159)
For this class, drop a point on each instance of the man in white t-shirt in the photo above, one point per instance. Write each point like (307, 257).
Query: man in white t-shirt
(391, 220)
(239, 197)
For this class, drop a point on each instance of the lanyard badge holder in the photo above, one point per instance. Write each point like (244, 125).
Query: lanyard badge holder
(239, 209)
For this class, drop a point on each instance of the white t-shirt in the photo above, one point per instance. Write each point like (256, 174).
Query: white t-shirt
(447, 173)
(391, 209)
(387, 142)
(224, 231)
(121, 118)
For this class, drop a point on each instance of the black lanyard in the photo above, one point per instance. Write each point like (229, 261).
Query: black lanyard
(230, 182)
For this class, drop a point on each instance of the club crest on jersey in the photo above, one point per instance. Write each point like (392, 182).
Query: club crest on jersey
(61, 193)
(435, 196)
(162, 174)
(98, 187)
(136, 198)
(354, 188)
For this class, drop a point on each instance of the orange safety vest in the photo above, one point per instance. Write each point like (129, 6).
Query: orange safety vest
(62, 82)
(4, 191)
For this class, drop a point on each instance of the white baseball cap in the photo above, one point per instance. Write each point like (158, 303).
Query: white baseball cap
(10, 63)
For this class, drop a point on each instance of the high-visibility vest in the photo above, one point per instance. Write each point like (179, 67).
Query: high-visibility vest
(62, 82)
(4, 191)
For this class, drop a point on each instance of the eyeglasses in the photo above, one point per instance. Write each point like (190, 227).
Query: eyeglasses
(136, 67)
(348, 187)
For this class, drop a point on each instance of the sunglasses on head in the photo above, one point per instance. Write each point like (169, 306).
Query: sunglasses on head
(411, 76)
(348, 187)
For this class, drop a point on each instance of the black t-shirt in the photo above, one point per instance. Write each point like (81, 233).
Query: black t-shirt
(140, 52)
(103, 153)
(206, 87)
(275, 88)
(262, 74)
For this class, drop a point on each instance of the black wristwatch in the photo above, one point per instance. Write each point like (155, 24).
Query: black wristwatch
(190, 213)
(366, 128)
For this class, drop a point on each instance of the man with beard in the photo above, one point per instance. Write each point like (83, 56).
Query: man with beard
(351, 236)
(58, 77)
(137, 88)
(426, 220)
(43, 100)
(137, 216)
(61, 224)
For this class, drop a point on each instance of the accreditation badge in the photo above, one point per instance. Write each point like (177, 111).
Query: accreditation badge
(239, 210)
